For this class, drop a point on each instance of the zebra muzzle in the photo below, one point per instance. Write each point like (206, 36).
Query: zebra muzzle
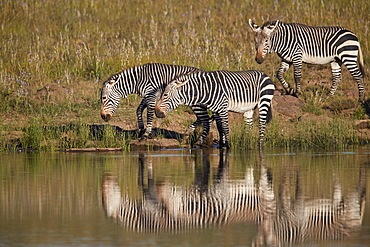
(260, 59)
(159, 113)
(105, 116)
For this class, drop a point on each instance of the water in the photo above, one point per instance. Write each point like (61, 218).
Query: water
(185, 198)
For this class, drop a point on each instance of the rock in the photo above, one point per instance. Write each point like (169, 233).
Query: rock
(362, 124)
(287, 105)
(79, 150)
(155, 144)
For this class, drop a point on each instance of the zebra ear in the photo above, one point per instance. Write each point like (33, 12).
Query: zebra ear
(253, 26)
(181, 82)
(111, 82)
(273, 26)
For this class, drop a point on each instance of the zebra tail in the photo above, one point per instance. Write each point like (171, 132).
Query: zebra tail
(267, 93)
(269, 114)
(361, 61)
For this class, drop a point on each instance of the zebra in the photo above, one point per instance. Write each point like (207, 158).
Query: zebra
(148, 81)
(220, 92)
(296, 43)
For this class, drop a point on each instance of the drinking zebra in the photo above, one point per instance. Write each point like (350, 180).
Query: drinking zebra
(220, 92)
(296, 43)
(148, 81)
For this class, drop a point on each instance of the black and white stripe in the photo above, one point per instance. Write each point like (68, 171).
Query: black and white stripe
(148, 81)
(220, 92)
(297, 43)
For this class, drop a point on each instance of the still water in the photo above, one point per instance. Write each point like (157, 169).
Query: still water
(184, 197)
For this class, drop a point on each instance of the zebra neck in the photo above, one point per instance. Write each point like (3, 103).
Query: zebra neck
(189, 96)
(130, 81)
(280, 40)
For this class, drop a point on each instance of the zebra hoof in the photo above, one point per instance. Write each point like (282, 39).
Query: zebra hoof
(141, 132)
(185, 139)
(289, 91)
(198, 144)
(224, 146)
(361, 99)
(294, 93)
(143, 138)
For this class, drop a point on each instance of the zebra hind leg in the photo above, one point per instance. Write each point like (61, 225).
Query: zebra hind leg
(284, 66)
(265, 113)
(359, 77)
(139, 114)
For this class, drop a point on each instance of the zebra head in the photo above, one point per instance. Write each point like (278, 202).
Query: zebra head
(170, 99)
(109, 98)
(262, 38)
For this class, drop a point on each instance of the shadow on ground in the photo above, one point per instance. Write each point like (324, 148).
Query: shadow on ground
(97, 131)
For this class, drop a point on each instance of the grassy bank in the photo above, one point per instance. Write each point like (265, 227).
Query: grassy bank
(55, 54)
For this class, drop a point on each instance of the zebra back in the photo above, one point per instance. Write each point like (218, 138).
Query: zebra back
(148, 81)
(315, 41)
(216, 87)
(147, 78)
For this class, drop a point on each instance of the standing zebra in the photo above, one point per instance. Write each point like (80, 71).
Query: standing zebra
(296, 43)
(148, 81)
(220, 92)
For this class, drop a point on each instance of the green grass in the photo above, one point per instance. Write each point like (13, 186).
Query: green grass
(77, 44)
(336, 133)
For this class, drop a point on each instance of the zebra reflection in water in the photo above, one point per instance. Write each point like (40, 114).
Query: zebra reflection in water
(281, 219)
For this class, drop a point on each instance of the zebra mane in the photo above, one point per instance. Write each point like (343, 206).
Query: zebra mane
(116, 76)
(271, 23)
(181, 80)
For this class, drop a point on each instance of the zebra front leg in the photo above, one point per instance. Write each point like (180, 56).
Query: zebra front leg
(248, 118)
(192, 127)
(203, 117)
(207, 122)
(284, 66)
(222, 122)
(199, 113)
(139, 114)
(149, 123)
(337, 77)
(190, 130)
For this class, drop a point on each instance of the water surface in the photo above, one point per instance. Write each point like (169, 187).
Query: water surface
(185, 198)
